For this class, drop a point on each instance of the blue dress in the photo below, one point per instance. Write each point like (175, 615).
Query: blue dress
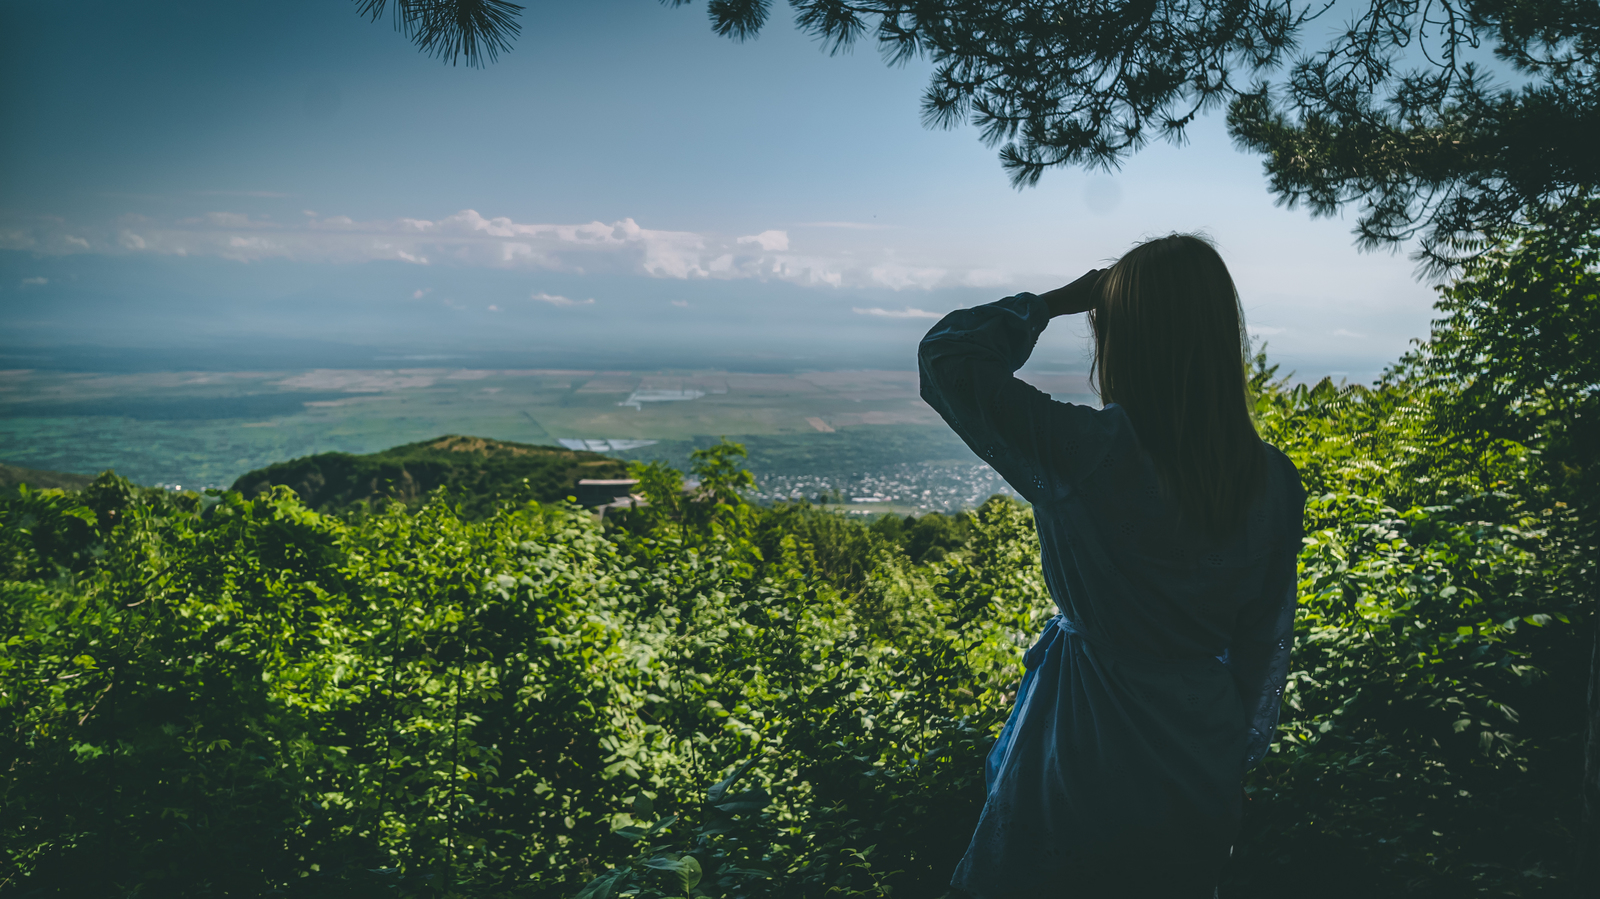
(1158, 684)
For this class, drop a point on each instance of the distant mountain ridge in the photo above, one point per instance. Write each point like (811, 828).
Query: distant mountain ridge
(38, 479)
(476, 469)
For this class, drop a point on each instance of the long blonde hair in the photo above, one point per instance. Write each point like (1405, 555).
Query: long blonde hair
(1170, 348)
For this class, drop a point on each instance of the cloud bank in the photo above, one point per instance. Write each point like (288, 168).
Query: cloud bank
(555, 300)
(907, 312)
(467, 238)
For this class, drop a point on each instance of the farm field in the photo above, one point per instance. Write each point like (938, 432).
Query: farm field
(852, 436)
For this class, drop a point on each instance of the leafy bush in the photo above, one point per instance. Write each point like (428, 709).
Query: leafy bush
(1429, 741)
(233, 696)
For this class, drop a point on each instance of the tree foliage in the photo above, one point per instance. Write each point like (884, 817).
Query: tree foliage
(1396, 116)
(1520, 339)
(473, 31)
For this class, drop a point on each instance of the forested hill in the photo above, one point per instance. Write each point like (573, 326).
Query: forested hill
(12, 475)
(477, 470)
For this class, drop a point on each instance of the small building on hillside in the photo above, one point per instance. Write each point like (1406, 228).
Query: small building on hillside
(593, 492)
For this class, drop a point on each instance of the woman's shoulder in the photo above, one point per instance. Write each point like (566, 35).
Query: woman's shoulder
(1112, 418)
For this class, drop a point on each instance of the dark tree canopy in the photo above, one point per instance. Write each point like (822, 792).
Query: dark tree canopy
(1390, 115)
(1439, 151)
(476, 31)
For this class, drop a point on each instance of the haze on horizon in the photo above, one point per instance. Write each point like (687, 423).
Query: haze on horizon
(623, 189)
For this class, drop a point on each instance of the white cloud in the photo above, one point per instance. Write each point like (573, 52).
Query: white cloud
(804, 270)
(471, 239)
(681, 304)
(985, 277)
(493, 308)
(1344, 332)
(899, 277)
(768, 240)
(421, 292)
(554, 300)
(851, 226)
(907, 312)
(1265, 331)
(35, 281)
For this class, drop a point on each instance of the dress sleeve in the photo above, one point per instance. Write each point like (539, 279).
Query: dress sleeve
(1264, 636)
(967, 364)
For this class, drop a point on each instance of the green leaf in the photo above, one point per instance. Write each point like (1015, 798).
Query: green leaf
(686, 869)
(715, 794)
(641, 805)
(689, 873)
(753, 800)
(606, 885)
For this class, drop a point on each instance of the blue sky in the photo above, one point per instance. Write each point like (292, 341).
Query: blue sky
(622, 182)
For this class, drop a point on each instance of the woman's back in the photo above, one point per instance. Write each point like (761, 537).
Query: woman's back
(1149, 582)
(1159, 683)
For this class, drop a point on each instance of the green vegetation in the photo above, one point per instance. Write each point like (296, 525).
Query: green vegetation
(227, 695)
(481, 472)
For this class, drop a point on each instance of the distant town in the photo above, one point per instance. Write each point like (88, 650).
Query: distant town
(930, 486)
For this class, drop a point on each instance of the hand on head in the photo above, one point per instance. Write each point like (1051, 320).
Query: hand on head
(1079, 296)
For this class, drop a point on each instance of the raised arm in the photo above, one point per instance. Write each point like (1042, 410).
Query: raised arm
(967, 363)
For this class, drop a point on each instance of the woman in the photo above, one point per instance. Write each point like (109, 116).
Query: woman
(1168, 533)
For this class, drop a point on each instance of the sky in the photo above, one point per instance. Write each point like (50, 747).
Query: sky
(623, 189)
